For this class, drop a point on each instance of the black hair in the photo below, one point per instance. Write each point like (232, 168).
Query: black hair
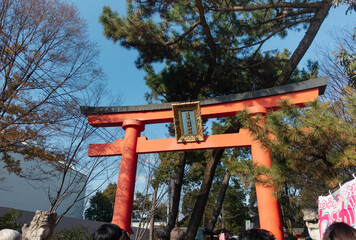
(256, 234)
(340, 231)
(107, 231)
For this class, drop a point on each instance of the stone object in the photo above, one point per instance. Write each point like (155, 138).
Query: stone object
(41, 226)
(312, 222)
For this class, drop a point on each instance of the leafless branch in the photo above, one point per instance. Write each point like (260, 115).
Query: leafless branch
(190, 29)
(305, 42)
(274, 32)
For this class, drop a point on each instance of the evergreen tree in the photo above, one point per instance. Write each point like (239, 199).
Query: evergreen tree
(110, 193)
(102, 204)
(236, 211)
(206, 43)
(346, 57)
(100, 208)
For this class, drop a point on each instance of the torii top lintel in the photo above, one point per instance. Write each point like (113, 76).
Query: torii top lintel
(224, 106)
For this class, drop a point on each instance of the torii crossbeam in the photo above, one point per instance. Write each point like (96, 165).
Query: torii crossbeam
(134, 118)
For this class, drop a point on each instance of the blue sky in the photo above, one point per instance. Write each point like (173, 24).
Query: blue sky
(127, 81)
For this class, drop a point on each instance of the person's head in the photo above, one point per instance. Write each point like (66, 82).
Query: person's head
(124, 236)
(159, 234)
(9, 234)
(108, 232)
(177, 234)
(256, 234)
(340, 231)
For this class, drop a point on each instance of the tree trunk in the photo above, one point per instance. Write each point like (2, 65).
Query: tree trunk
(219, 202)
(307, 40)
(172, 187)
(204, 193)
(176, 196)
(41, 227)
(206, 185)
(222, 219)
(153, 211)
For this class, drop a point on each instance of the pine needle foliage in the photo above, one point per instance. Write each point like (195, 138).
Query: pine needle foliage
(314, 145)
(212, 48)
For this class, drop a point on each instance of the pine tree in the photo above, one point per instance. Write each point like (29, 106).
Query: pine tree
(100, 208)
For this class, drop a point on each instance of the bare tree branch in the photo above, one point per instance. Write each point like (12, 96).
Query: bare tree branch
(274, 32)
(211, 43)
(305, 42)
(190, 29)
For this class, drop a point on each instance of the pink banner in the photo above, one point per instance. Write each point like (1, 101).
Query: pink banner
(339, 206)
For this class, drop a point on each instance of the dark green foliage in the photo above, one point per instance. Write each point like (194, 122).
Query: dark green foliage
(346, 57)
(11, 220)
(186, 81)
(100, 208)
(195, 165)
(236, 211)
(318, 137)
(110, 192)
(189, 199)
(235, 208)
(210, 48)
(142, 202)
(102, 204)
(161, 212)
(79, 233)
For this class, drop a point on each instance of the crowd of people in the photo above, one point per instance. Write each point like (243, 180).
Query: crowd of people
(336, 231)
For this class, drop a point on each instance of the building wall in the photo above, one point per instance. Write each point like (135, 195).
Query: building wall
(66, 223)
(41, 183)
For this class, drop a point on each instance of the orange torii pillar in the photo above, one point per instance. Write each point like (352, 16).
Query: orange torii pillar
(267, 202)
(127, 175)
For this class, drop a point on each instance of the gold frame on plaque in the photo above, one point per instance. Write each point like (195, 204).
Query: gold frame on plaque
(186, 128)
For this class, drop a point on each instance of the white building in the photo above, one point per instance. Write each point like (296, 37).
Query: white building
(40, 185)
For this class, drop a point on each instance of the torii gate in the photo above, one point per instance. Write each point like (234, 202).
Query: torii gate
(134, 118)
